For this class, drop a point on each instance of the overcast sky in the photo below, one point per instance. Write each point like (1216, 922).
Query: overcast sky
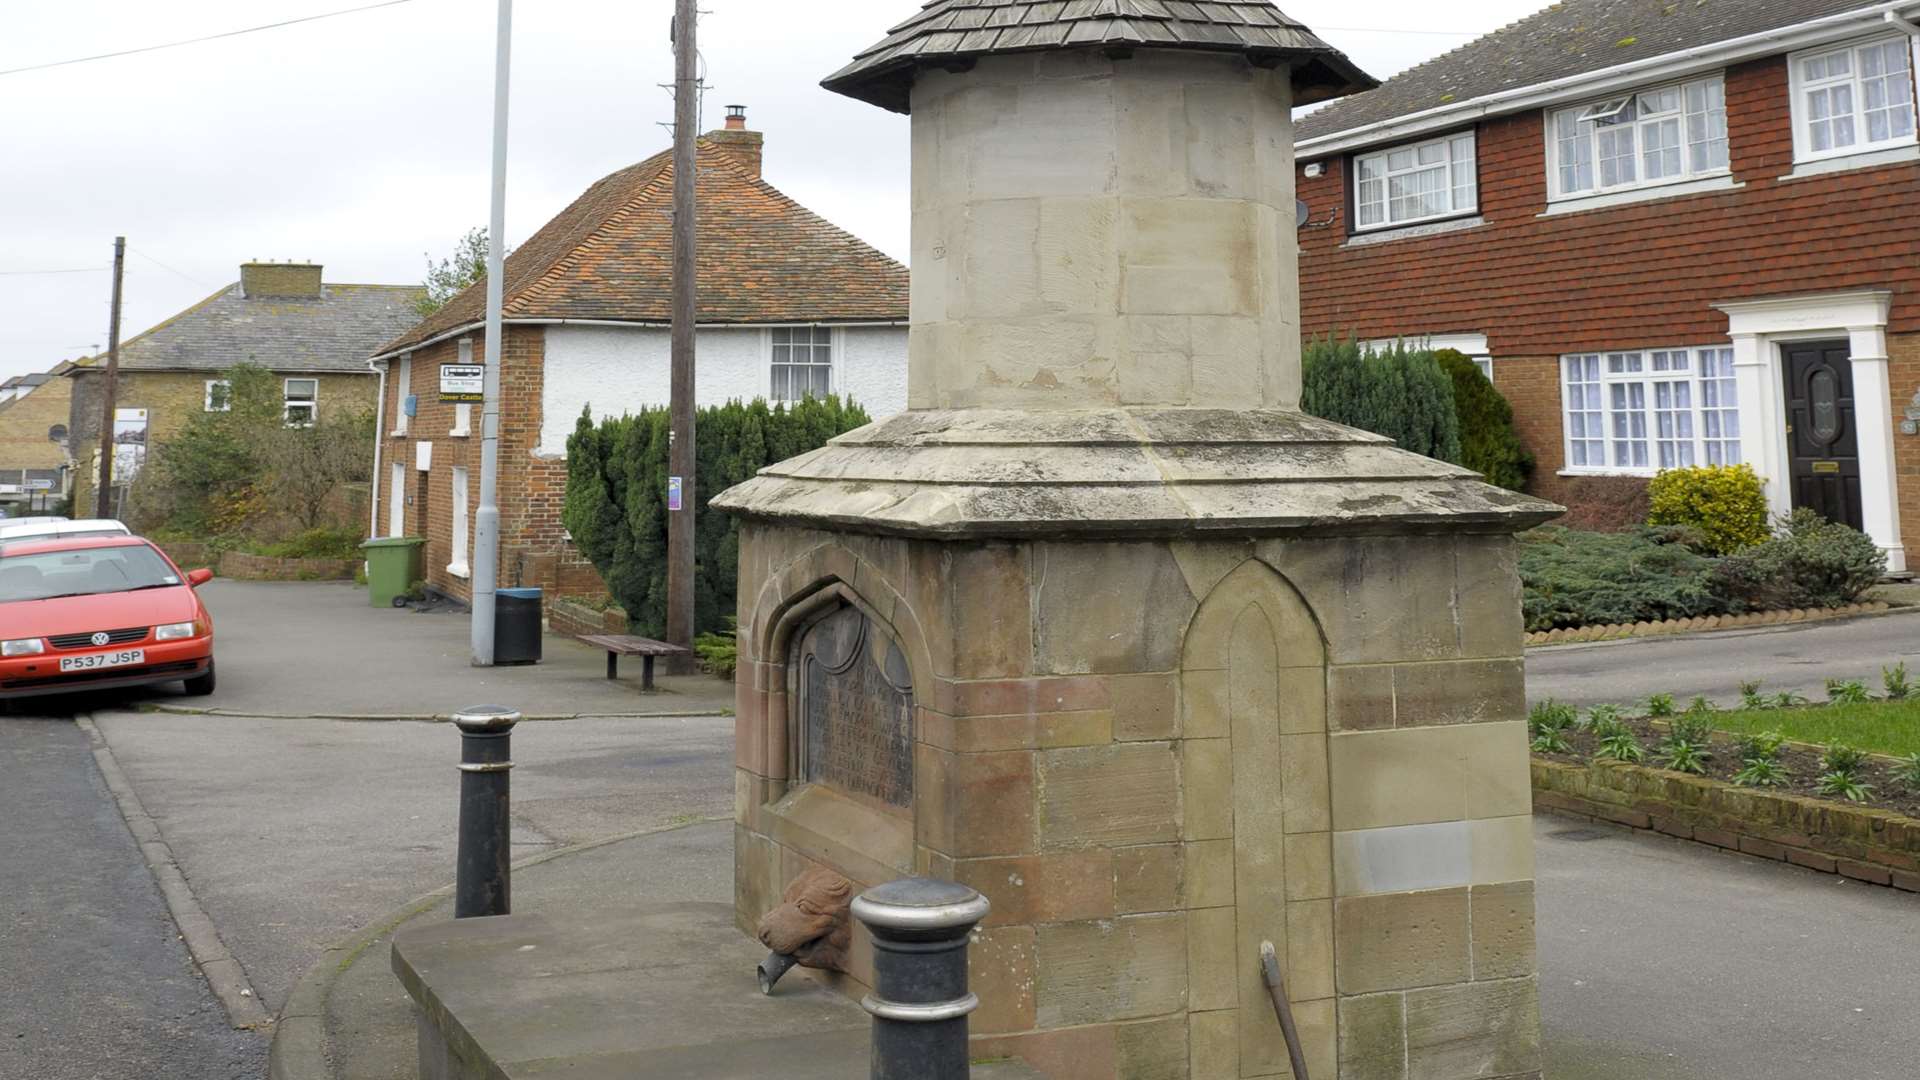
(361, 142)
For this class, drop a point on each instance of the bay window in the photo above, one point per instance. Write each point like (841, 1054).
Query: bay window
(1420, 182)
(1852, 99)
(1645, 139)
(1643, 411)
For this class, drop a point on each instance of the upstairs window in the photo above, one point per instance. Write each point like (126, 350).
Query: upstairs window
(1853, 99)
(303, 402)
(219, 396)
(802, 362)
(1653, 137)
(1422, 182)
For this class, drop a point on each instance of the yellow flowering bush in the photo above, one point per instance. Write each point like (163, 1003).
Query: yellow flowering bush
(1723, 503)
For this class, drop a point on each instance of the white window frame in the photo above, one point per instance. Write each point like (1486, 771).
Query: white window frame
(403, 386)
(462, 421)
(397, 502)
(224, 406)
(311, 403)
(457, 564)
(1803, 150)
(1613, 106)
(775, 362)
(1694, 429)
(1472, 346)
(1383, 158)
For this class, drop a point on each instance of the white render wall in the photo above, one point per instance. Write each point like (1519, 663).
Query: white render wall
(620, 370)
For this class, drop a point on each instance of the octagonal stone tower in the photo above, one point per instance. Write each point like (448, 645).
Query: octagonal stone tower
(1106, 628)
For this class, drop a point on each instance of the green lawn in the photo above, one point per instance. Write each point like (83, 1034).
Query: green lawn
(1883, 727)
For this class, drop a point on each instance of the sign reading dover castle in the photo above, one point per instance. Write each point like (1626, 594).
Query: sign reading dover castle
(1106, 628)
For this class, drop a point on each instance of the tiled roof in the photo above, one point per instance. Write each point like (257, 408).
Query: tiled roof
(1575, 37)
(334, 332)
(761, 258)
(950, 31)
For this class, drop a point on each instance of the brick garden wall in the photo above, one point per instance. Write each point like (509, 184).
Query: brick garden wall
(1641, 275)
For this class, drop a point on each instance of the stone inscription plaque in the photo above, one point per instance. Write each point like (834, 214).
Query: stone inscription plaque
(856, 709)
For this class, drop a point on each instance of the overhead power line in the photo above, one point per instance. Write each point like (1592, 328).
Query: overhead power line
(208, 37)
(37, 273)
(181, 274)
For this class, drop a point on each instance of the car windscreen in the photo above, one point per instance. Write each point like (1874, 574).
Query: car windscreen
(84, 572)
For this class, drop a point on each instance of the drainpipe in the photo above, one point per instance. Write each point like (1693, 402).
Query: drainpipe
(379, 444)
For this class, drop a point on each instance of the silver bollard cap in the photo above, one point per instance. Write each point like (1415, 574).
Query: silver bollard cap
(920, 904)
(486, 719)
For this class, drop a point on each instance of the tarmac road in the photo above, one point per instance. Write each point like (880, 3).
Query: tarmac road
(94, 982)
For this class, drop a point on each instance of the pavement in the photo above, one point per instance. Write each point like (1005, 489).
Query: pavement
(319, 649)
(1796, 658)
(97, 982)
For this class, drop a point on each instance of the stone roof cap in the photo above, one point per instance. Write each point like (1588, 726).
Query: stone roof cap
(1124, 472)
(1574, 37)
(956, 32)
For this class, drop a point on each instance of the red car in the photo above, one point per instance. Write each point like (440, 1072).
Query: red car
(90, 612)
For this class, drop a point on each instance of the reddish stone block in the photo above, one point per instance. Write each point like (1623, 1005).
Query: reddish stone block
(1716, 837)
(1812, 860)
(1907, 881)
(1765, 849)
(1868, 872)
(1631, 818)
(1673, 828)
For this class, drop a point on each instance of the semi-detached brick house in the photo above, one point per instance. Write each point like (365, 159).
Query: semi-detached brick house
(1674, 233)
(789, 305)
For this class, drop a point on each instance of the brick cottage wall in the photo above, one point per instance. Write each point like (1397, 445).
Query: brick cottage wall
(1641, 275)
(532, 488)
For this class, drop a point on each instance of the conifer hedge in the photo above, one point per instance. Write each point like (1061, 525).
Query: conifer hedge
(616, 505)
(1488, 443)
(1398, 392)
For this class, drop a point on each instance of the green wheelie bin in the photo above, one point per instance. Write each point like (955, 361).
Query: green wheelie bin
(393, 565)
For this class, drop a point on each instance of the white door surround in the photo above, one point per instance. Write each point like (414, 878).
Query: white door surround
(1758, 328)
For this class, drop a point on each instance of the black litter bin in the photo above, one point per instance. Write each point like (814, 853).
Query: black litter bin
(516, 626)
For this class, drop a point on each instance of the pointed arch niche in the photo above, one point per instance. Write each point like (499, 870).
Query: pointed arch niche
(1253, 674)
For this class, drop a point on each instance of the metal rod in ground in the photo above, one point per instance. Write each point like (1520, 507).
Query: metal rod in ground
(920, 999)
(1277, 987)
(483, 882)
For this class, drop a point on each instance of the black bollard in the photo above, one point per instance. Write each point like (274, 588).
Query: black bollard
(482, 884)
(920, 1000)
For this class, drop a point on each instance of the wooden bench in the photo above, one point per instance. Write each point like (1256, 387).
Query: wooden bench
(619, 645)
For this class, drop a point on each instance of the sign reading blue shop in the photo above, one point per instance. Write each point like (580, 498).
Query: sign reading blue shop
(463, 383)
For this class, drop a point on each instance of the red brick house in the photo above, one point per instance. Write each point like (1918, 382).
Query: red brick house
(789, 304)
(1675, 234)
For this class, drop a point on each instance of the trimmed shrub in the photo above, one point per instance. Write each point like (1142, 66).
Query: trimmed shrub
(1810, 563)
(616, 502)
(1604, 503)
(1725, 503)
(1488, 443)
(1400, 393)
(1577, 578)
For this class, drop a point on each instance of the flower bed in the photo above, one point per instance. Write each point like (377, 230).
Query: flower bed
(1613, 631)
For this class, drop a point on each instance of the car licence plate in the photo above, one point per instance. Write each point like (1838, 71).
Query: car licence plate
(92, 661)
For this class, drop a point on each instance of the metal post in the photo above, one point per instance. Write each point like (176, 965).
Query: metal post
(103, 498)
(483, 884)
(486, 519)
(920, 999)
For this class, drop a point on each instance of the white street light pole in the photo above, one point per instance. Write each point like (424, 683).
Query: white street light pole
(486, 521)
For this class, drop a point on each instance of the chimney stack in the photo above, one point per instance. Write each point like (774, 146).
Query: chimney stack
(736, 142)
(288, 280)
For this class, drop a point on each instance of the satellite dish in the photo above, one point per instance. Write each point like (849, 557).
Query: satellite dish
(1300, 213)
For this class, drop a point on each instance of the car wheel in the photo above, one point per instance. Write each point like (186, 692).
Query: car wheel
(201, 685)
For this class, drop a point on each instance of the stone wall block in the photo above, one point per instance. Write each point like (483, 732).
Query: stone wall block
(974, 804)
(1042, 888)
(1204, 709)
(1489, 589)
(1145, 707)
(1459, 692)
(1360, 697)
(1209, 874)
(1421, 775)
(1086, 605)
(1395, 941)
(1077, 261)
(1125, 793)
(1309, 865)
(1000, 969)
(1310, 949)
(1214, 1052)
(1212, 963)
(1148, 877)
(1475, 1031)
(1127, 968)
(1383, 600)
(1220, 151)
(1373, 1037)
(1305, 799)
(1503, 930)
(1152, 1050)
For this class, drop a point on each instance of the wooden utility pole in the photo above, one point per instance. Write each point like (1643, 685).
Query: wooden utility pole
(103, 499)
(680, 457)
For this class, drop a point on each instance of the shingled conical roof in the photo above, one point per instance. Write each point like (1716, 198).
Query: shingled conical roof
(956, 32)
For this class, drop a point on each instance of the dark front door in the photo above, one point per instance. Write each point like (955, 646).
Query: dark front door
(1821, 436)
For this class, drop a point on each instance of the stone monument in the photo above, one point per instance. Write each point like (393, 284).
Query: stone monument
(1106, 628)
